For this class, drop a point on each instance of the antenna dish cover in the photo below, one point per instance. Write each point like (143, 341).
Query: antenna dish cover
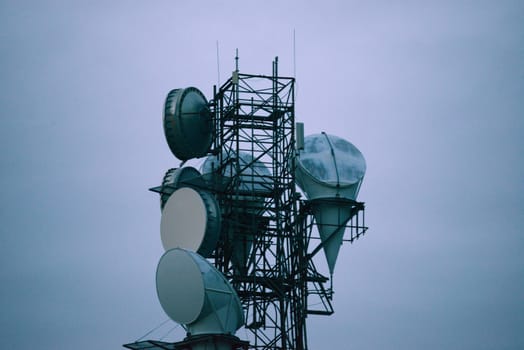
(191, 219)
(194, 293)
(329, 167)
(175, 178)
(188, 123)
(255, 179)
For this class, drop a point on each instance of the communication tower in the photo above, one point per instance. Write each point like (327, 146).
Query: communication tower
(240, 239)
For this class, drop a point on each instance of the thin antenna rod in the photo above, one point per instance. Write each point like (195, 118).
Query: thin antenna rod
(294, 56)
(295, 63)
(218, 66)
(236, 60)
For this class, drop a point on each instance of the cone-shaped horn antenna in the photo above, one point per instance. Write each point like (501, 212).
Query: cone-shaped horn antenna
(242, 246)
(330, 171)
(332, 216)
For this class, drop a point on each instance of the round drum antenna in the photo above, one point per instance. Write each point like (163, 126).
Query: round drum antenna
(188, 123)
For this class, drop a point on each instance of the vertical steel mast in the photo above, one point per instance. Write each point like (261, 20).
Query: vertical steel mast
(260, 251)
(267, 244)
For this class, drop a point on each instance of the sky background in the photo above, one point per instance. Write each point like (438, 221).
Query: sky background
(431, 92)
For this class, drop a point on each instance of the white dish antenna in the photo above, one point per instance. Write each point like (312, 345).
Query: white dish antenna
(188, 123)
(191, 220)
(194, 293)
(330, 171)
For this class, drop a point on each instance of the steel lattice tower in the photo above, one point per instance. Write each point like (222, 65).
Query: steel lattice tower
(262, 214)
(267, 241)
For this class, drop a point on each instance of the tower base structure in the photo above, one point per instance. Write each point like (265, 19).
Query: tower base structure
(212, 342)
(194, 342)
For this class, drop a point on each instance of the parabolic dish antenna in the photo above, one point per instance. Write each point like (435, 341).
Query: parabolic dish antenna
(175, 178)
(191, 220)
(194, 293)
(255, 178)
(188, 123)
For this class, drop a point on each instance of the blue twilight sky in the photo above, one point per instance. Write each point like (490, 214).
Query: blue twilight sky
(431, 92)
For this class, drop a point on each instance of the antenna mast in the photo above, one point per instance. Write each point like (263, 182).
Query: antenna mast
(218, 66)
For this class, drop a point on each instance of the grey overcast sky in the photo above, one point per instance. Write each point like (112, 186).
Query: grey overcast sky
(431, 92)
